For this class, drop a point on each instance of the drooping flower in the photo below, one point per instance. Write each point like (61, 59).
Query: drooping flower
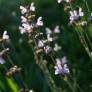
(22, 30)
(81, 13)
(57, 47)
(32, 7)
(26, 26)
(23, 10)
(49, 38)
(39, 22)
(40, 44)
(23, 19)
(64, 60)
(5, 35)
(57, 30)
(48, 31)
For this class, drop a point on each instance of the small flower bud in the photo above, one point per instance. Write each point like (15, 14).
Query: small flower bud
(32, 7)
(5, 35)
(39, 22)
(13, 70)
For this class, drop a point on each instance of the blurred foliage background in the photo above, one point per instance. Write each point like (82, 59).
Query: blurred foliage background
(21, 53)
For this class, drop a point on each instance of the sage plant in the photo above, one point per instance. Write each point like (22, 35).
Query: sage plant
(79, 22)
(44, 45)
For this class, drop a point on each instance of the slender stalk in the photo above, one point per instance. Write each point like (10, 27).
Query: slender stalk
(81, 36)
(12, 77)
(43, 67)
(83, 41)
(46, 73)
(88, 39)
(8, 56)
(87, 6)
(11, 62)
(68, 83)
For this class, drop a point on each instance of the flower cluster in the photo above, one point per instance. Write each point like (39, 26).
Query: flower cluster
(28, 24)
(44, 44)
(14, 69)
(4, 39)
(52, 37)
(61, 66)
(28, 19)
(75, 15)
(80, 21)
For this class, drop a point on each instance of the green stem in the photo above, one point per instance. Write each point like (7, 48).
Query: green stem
(44, 68)
(11, 62)
(86, 3)
(84, 43)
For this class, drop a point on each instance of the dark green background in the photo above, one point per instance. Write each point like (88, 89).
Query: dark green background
(21, 53)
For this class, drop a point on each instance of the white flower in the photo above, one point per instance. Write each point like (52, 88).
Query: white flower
(39, 22)
(48, 31)
(23, 19)
(32, 7)
(23, 10)
(40, 44)
(2, 61)
(64, 60)
(26, 26)
(5, 35)
(49, 38)
(57, 47)
(66, 69)
(22, 30)
(58, 61)
(30, 90)
(59, 1)
(47, 49)
(81, 13)
(57, 30)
